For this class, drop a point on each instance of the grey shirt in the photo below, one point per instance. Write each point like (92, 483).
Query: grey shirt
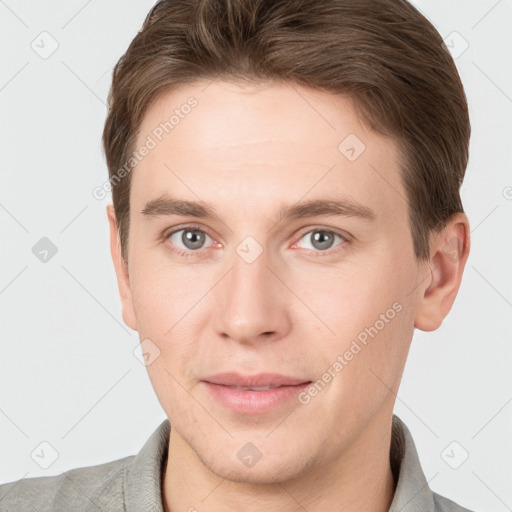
(133, 484)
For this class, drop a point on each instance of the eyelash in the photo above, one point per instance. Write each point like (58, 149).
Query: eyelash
(192, 227)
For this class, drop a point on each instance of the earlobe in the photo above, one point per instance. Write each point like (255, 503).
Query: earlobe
(449, 253)
(121, 269)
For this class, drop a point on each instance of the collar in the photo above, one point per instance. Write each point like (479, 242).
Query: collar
(412, 492)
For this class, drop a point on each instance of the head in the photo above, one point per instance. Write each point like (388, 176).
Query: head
(250, 110)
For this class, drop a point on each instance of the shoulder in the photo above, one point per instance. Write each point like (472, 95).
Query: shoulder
(443, 504)
(80, 489)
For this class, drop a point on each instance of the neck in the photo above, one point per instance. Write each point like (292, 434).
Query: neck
(359, 478)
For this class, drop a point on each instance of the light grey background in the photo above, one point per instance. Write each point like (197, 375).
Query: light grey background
(68, 373)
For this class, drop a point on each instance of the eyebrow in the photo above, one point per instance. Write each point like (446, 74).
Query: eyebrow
(167, 206)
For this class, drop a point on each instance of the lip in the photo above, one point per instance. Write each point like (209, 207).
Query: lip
(254, 402)
(257, 380)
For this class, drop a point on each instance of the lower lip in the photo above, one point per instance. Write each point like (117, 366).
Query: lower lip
(254, 402)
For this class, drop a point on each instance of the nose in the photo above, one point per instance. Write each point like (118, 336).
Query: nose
(252, 303)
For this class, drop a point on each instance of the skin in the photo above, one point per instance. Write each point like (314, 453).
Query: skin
(248, 151)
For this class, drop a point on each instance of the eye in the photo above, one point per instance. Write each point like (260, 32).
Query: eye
(191, 239)
(321, 240)
(187, 240)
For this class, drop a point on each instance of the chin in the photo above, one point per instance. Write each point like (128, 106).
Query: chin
(269, 469)
(255, 476)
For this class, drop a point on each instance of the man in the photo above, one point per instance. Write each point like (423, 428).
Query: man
(286, 211)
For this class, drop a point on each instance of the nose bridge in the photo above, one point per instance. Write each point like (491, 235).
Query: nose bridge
(251, 301)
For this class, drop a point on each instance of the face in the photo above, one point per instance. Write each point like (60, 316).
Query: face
(265, 284)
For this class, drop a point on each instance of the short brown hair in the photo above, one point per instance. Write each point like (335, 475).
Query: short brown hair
(384, 53)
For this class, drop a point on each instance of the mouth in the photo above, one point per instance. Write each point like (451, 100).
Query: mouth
(256, 394)
(256, 382)
(254, 388)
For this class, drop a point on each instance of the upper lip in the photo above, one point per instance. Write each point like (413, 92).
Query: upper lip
(257, 380)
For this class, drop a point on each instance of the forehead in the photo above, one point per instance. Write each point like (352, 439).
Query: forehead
(222, 142)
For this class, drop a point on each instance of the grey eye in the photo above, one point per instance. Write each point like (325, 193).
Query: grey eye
(192, 239)
(321, 239)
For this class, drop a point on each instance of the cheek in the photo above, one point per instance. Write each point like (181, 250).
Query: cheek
(348, 300)
(164, 307)
(371, 313)
(161, 295)
(173, 308)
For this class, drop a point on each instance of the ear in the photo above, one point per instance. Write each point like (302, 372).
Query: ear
(449, 251)
(121, 267)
